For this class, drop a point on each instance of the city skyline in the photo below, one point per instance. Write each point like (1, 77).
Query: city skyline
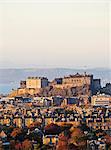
(55, 74)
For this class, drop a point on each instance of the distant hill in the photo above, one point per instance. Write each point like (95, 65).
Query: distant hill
(9, 78)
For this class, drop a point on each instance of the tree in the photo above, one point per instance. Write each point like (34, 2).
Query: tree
(15, 132)
(108, 139)
(65, 126)
(36, 136)
(18, 134)
(62, 142)
(12, 144)
(84, 127)
(78, 138)
(27, 145)
(52, 129)
(18, 146)
(34, 125)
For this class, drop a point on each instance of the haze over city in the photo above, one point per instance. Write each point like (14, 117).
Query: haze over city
(55, 34)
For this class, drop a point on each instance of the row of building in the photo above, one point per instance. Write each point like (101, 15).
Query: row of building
(18, 107)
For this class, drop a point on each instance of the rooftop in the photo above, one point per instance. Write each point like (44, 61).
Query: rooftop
(79, 75)
(36, 78)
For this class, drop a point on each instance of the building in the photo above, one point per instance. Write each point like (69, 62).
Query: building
(70, 101)
(100, 100)
(22, 84)
(77, 80)
(36, 82)
(50, 139)
(47, 102)
(84, 84)
(57, 100)
(106, 89)
(26, 100)
(96, 86)
(56, 81)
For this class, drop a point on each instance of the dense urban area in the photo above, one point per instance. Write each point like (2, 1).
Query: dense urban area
(69, 113)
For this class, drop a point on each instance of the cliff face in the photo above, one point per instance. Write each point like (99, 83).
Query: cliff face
(65, 92)
(52, 91)
(24, 92)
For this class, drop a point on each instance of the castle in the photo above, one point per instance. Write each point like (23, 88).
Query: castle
(83, 84)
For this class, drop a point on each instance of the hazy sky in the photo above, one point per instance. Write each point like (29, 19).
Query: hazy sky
(55, 34)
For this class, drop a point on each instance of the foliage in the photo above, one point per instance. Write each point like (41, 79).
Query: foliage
(63, 142)
(108, 139)
(34, 125)
(65, 126)
(15, 132)
(52, 129)
(72, 139)
(27, 145)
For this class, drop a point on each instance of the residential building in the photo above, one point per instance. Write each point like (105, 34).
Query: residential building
(100, 100)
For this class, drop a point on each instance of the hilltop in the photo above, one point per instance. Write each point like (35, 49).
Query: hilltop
(10, 78)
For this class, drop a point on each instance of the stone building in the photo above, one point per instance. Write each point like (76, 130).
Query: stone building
(96, 86)
(77, 80)
(22, 84)
(106, 89)
(56, 81)
(36, 82)
(84, 83)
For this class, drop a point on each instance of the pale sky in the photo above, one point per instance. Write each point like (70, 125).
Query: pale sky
(55, 34)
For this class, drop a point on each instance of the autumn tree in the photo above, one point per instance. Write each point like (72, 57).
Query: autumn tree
(15, 132)
(18, 146)
(27, 145)
(52, 129)
(62, 142)
(34, 125)
(78, 138)
(108, 141)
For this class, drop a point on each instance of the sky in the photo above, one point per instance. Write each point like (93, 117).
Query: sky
(55, 34)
